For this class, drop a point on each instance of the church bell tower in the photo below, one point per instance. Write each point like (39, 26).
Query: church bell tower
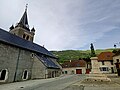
(22, 29)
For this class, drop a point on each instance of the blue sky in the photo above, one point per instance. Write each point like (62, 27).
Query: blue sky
(67, 24)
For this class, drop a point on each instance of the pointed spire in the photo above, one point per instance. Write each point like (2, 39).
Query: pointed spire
(24, 19)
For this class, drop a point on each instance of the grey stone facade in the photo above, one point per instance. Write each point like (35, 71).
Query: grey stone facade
(15, 61)
(39, 69)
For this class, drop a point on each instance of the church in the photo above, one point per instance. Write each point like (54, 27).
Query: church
(21, 59)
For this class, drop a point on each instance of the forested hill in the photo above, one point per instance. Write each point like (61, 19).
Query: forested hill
(76, 54)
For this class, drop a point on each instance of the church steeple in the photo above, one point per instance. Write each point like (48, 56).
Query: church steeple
(24, 19)
(22, 28)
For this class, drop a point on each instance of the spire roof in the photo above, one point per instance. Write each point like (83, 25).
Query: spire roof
(24, 19)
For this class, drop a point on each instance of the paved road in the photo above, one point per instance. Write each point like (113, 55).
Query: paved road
(57, 84)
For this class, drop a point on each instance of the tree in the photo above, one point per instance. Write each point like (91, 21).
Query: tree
(92, 50)
(114, 51)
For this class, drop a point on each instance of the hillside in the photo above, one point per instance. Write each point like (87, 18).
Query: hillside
(76, 54)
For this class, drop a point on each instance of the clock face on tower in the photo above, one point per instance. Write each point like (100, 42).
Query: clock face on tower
(27, 26)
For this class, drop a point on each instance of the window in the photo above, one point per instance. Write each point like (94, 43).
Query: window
(117, 60)
(27, 38)
(24, 35)
(25, 75)
(65, 72)
(3, 75)
(32, 55)
(104, 69)
(103, 63)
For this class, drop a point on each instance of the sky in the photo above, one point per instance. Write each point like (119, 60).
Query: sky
(67, 24)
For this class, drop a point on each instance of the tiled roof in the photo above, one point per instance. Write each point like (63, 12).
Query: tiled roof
(105, 56)
(74, 63)
(11, 39)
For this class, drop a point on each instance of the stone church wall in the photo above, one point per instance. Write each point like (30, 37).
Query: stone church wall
(39, 69)
(25, 63)
(18, 64)
(15, 61)
(8, 60)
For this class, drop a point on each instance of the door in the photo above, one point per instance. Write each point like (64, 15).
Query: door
(78, 71)
(87, 71)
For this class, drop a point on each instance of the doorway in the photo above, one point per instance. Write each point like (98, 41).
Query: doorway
(87, 71)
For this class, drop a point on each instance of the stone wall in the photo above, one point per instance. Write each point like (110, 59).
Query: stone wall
(15, 61)
(39, 69)
(25, 62)
(8, 60)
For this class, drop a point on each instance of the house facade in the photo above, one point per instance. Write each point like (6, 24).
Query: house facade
(21, 59)
(105, 60)
(116, 61)
(75, 67)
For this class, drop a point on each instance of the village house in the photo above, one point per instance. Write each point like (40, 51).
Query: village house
(116, 61)
(105, 60)
(22, 59)
(75, 67)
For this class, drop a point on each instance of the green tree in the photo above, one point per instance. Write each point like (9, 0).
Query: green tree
(114, 51)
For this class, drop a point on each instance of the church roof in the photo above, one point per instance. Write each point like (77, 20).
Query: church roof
(47, 62)
(11, 39)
